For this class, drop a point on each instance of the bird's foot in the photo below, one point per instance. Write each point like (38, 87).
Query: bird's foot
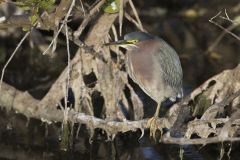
(152, 125)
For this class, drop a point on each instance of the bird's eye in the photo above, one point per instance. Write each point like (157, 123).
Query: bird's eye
(132, 41)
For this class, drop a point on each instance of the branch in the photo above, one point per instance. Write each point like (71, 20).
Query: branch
(221, 27)
(215, 108)
(87, 18)
(24, 103)
(203, 141)
(11, 57)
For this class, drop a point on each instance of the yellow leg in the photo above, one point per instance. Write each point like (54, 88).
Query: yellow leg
(152, 122)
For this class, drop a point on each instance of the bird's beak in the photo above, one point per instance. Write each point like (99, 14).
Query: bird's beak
(118, 43)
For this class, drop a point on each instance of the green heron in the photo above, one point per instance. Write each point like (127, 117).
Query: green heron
(155, 67)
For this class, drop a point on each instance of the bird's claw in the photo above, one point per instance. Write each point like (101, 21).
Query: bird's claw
(152, 125)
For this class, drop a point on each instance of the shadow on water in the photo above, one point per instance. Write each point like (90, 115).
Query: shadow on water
(21, 138)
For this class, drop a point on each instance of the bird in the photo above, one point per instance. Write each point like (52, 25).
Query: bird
(155, 66)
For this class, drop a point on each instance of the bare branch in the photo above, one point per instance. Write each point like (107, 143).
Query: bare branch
(136, 15)
(120, 19)
(87, 18)
(134, 21)
(11, 57)
(18, 101)
(217, 106)
(219, 38)
(221, 27)
(64, 22)
(202, 141)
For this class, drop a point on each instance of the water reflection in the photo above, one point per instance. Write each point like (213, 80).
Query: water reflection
(151, 154)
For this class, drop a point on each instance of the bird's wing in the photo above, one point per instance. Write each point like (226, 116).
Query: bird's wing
(170, 64)
(137, 77)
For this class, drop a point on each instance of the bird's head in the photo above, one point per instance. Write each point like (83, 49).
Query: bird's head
(131, 40)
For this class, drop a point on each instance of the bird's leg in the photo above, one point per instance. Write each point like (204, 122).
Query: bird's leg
(152, 122)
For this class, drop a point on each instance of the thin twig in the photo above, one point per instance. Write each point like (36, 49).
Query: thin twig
(220, 37)
(11, 57)
(120, 18)
(84, 13)
(136, 15)
(87, 18)
(79, 43)
(227, 17)
(68, 66)
(225, 11)
(114, 32)
(134, 21)
(221, 27)
(64, 22)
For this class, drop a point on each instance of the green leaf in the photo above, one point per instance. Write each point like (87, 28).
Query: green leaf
(111, 6)
(36, 4)
(23, 5)
(33, 19)
(46, 4)
(26, 29)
